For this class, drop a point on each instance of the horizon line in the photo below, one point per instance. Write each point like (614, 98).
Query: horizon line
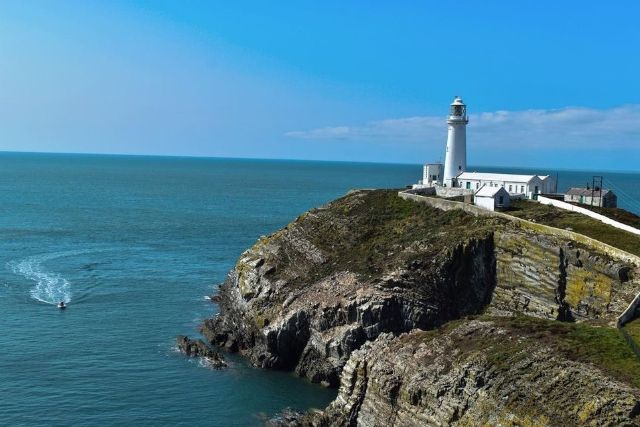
(188, 156)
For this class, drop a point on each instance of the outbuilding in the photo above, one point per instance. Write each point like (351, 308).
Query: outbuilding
(492, 198)
(592, 196)
(516, 185)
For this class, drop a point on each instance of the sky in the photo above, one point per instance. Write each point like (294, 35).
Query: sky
(548, 84)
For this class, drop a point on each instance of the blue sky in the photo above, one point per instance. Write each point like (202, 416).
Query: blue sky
(548, 84)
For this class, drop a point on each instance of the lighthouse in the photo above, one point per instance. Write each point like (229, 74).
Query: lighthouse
(456, 155)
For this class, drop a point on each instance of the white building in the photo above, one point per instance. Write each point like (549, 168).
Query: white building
(549, 184)
(524, 185)
(592, 196)
(432, 174)
(459, 182)
(455, 161)
(492, 198)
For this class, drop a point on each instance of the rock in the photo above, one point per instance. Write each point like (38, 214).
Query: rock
(198, 348)
(343, 295)
(480, 372)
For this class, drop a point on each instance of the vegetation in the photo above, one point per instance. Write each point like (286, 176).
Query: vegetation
(560, 218)
(633, 329)
(602, 347)
(370, 232)
(617, 214)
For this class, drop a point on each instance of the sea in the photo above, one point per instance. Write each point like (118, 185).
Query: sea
(134, 245)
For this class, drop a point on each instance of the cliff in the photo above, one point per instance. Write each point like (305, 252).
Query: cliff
(326, 295)
(489, 371)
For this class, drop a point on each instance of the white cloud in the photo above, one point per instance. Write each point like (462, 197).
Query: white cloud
(570, 127)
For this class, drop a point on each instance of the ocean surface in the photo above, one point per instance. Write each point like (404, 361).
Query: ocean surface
(133, 245)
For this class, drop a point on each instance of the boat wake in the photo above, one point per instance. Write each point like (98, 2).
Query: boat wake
(50, 287)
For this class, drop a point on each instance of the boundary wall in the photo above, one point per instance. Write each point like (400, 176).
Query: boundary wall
(587, 212)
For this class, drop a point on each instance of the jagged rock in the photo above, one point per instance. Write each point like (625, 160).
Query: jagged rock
(294, 302)
(198, 348)
(480, 372)
(328, 296)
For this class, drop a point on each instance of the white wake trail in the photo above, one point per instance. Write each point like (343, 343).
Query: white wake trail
(50, 288)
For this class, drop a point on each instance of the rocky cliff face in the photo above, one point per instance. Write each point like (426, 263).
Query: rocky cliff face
(552, 277)
(306, 297)
(326, 296)
(479, 372)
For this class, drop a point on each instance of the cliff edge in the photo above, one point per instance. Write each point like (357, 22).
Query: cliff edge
(363, 291)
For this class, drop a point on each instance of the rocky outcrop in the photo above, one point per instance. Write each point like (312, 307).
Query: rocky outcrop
(198, 348)
(480, 372)
(306, 297)
(552, 277)
(344, 294)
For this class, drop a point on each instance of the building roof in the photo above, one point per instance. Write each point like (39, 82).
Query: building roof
(575, 191)
(499, 177)
(487, 191)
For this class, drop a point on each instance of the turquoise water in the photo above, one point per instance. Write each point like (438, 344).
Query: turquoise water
(133, 244)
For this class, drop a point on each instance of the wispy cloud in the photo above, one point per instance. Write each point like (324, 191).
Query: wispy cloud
(570, 127)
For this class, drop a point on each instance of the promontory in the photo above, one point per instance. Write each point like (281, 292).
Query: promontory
(424, 311)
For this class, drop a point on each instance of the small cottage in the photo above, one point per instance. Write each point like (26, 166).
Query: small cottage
(492, 198)
(592, 197)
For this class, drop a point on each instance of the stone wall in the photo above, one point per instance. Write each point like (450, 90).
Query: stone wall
(451, 192)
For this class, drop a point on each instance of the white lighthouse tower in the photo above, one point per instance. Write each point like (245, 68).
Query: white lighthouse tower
(455, 161)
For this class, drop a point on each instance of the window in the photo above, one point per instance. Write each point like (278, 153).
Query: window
(522, 189)
(468, 185)
(510, 189)
(477, 185)
(501, 200)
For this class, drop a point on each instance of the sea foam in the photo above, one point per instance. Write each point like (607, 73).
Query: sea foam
(50, 287)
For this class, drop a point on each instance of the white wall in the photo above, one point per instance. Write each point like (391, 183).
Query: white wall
(587, 212)
(516, 186)
(485, 202)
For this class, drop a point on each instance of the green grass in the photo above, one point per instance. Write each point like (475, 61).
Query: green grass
(559, 218)
(376, 231)
(633, 329)
(602, 347)
(617, 214)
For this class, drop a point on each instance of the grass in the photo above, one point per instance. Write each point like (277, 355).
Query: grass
(376, 231)
(602, 347)
(559, 218)
(617, 214)
(633, 329)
